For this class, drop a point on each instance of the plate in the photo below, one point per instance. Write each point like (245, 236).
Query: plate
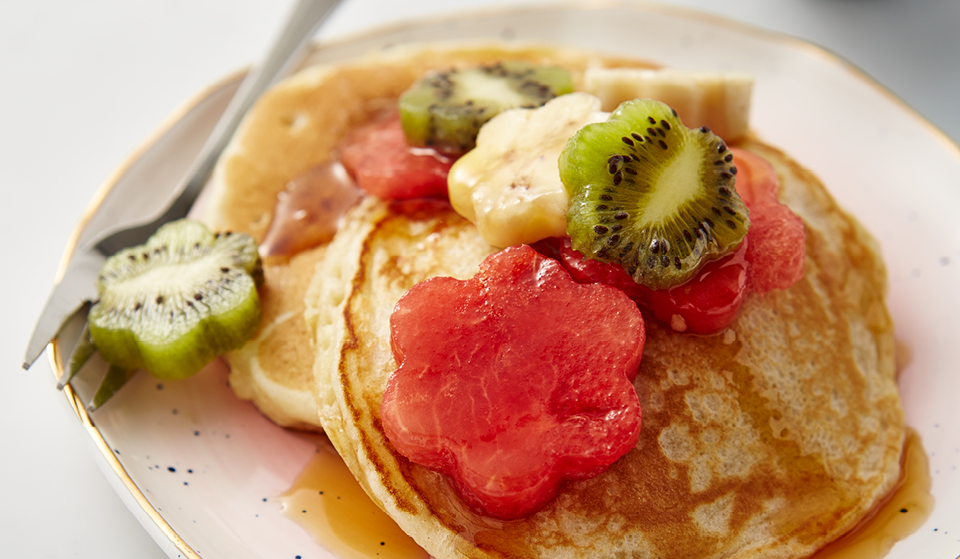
(203, 470)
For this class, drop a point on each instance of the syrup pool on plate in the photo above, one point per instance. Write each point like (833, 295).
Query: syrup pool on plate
(328, 502)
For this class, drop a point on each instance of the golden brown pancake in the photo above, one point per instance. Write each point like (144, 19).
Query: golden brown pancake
(291, 130)
(768, 440)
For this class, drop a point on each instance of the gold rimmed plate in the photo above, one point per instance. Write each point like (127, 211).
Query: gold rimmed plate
(203, 470)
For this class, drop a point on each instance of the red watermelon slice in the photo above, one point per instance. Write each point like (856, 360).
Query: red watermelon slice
(777, 236)
(514, 381)
(379, 159)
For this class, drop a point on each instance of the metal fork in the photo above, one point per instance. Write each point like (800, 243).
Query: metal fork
(70, 298)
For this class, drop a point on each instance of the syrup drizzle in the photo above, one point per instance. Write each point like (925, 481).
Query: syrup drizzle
(898, 516)
(328, 502)
(309, 209)
(904, 356)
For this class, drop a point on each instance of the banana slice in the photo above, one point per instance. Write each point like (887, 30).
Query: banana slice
(718, 100)
(509, 185)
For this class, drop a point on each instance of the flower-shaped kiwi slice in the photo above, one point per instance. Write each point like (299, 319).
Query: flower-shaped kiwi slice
(173, 304)
(651, 194)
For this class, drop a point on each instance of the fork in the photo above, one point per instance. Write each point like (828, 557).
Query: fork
(71, 297)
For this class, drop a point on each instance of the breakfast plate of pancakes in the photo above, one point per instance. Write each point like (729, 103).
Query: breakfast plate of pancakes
(211, 474)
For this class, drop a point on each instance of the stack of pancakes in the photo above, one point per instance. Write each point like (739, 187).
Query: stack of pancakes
(767, 440)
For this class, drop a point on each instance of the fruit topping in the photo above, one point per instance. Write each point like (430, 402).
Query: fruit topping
(514, 381)
(705, 304)
(379, 158)
(509, 185)
(777, 237)
(770, 257)
(717, 100)
(309, 209)
(445, 110)
(173, 304)
(651, 194)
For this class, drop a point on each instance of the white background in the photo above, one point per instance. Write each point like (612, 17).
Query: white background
(84, 83)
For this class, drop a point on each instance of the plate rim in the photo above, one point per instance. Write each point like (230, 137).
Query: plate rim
(56, 356)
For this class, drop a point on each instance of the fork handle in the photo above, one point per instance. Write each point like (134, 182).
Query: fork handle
(302, 23)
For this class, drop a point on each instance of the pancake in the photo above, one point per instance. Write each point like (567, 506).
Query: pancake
(768, 440)
(291, 130)
(275, 368)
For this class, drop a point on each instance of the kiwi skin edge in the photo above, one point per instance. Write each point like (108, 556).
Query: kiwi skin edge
(444, 110)
(175, 303)
(650, 194)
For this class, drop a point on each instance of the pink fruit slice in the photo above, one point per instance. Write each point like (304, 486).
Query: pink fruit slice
(777, 237)
(705, 304)
(514, 381)
(382, 164)
(710, 301)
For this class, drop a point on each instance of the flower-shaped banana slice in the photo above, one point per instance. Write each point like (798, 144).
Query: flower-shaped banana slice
(509, 185)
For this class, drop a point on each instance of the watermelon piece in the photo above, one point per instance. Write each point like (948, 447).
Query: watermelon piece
(706, 304)
(514, 380)
(384, 165)
(710, 301)
(777, 237)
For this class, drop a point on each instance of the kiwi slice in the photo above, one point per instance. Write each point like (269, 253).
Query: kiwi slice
(173, 304)
(444, 110)
(651, 194)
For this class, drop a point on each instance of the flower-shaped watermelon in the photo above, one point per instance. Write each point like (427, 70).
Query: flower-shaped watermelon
(514, 381)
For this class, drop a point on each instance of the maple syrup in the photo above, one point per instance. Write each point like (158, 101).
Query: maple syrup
(328, 502)
(308, 210)
(903, 355)
(898, 516)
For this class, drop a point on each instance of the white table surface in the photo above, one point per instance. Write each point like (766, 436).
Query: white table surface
(84, 83)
